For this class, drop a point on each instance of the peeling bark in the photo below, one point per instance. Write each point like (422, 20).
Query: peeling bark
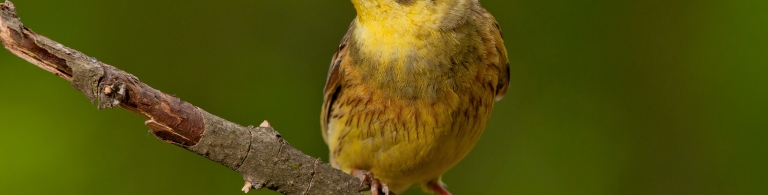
(260, 154)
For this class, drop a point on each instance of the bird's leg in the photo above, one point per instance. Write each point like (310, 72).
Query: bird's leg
(376, 186)
(438, 188)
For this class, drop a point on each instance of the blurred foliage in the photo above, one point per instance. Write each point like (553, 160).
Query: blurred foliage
(607, 97)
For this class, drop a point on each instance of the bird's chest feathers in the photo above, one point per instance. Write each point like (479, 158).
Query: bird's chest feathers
(406, 60)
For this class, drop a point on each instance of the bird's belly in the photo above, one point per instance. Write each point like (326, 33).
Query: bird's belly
(406, 140)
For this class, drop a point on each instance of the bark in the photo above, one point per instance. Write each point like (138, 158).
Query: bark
(260, 154)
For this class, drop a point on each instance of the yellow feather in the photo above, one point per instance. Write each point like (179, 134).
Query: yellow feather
(411, 88)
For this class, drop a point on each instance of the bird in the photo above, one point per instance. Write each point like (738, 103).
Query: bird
(410, 90)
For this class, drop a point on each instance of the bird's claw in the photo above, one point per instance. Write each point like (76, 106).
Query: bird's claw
(376, 186)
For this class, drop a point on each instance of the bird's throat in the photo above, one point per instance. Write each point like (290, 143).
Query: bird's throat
(399, 59)
(399, 46)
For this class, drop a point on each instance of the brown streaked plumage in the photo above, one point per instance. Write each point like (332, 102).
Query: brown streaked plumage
(411, 87)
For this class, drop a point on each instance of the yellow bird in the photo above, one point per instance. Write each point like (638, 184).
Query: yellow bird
(410, 90)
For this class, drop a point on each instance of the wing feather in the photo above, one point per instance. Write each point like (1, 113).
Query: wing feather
(333, 82)
(503, 64)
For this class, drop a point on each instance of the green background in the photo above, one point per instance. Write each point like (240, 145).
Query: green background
(606, 97)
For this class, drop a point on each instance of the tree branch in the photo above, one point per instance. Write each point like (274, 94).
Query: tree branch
(260, 154)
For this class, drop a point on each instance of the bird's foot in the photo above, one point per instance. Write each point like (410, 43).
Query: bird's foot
(376, 186)
(438, 188)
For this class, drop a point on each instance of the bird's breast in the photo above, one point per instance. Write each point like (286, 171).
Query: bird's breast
(411, 63)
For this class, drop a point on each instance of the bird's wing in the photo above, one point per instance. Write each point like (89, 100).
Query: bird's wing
(503, 63)
(333, 83)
